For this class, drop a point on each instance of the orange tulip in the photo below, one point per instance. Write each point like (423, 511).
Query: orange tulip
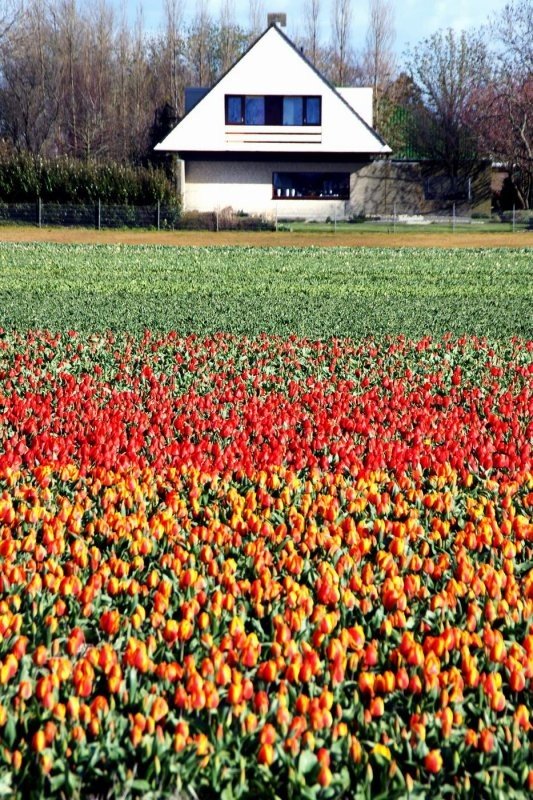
(433, 761)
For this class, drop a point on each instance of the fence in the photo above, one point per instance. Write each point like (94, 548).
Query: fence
(454, 216)
(168, 217)
(96, 215)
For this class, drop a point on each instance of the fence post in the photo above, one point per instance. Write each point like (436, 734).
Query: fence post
(394, 219)
(39, 212)
(159, 215)
(514, 217)
(335, 220)
(216, 219)
(98, 214)
(453, 218)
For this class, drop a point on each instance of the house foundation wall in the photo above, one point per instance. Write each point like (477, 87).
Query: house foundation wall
(247, 186)
(377, 188)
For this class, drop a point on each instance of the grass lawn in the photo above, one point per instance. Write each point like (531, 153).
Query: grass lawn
(422, 228)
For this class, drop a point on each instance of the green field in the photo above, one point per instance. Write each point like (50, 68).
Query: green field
(313, 292)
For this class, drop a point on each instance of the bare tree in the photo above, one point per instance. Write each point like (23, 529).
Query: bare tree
(95, 109)
(120, 83)
(341, 34)
(29, 91)
(140, 93)
(312, 37)
(504, 118)
(513, 28)
(379, 60)
(10, 12)
(173, 52)
(256, 18)
(228, 35)
(199, 41)
(70, 31)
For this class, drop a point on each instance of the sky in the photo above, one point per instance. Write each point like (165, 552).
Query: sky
(414, 19)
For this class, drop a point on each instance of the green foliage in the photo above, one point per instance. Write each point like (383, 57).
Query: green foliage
(447, 68)
(398, 128)
(24, 177)
(313, 292)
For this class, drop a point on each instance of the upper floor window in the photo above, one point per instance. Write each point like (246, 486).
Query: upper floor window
(273, 110)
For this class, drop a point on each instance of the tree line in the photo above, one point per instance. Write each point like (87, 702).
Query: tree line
(82, 82)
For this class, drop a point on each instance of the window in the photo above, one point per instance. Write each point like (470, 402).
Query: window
(254, 110)
(313, 110)
(448, 187)
(293, 111)
(273, 110)
(311, 185)
(234, 115)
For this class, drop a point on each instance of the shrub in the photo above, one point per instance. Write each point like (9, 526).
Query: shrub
(24, 177)
(227, 221)
(522, 216)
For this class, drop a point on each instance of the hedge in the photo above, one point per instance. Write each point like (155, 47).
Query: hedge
(24, 178)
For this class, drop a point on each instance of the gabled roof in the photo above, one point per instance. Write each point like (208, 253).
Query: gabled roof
(273, 65)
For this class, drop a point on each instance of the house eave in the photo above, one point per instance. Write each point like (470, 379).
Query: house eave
(262, 155)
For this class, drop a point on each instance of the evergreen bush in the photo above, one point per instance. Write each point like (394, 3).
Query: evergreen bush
(24, 178)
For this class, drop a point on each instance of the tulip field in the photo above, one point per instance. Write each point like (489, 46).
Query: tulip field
(265, 565)
(313, 292)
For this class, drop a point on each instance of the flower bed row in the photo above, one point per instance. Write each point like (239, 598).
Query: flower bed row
(233, 403)
(341, 607)
(286, 630)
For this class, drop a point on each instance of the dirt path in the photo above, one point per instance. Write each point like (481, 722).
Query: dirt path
(423, 238)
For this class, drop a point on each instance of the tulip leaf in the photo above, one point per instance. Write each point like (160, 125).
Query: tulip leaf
(10, 730)
(307, 761)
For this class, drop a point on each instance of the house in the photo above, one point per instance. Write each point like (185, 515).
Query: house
(274, 137)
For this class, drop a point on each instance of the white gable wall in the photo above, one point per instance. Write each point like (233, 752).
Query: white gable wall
(360, 98)
(273, 66)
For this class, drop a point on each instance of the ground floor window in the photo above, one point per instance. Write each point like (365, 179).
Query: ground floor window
(311, 185)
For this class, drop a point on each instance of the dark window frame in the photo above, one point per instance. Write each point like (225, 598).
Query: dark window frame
(310, 178)
(271, 102)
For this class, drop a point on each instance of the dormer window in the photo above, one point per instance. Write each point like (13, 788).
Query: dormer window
(273, 110)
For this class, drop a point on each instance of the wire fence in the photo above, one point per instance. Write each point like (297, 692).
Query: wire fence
(161, 216)
(97, 215)
(451, 217)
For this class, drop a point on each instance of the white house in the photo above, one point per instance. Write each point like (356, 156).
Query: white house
(274, 137)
